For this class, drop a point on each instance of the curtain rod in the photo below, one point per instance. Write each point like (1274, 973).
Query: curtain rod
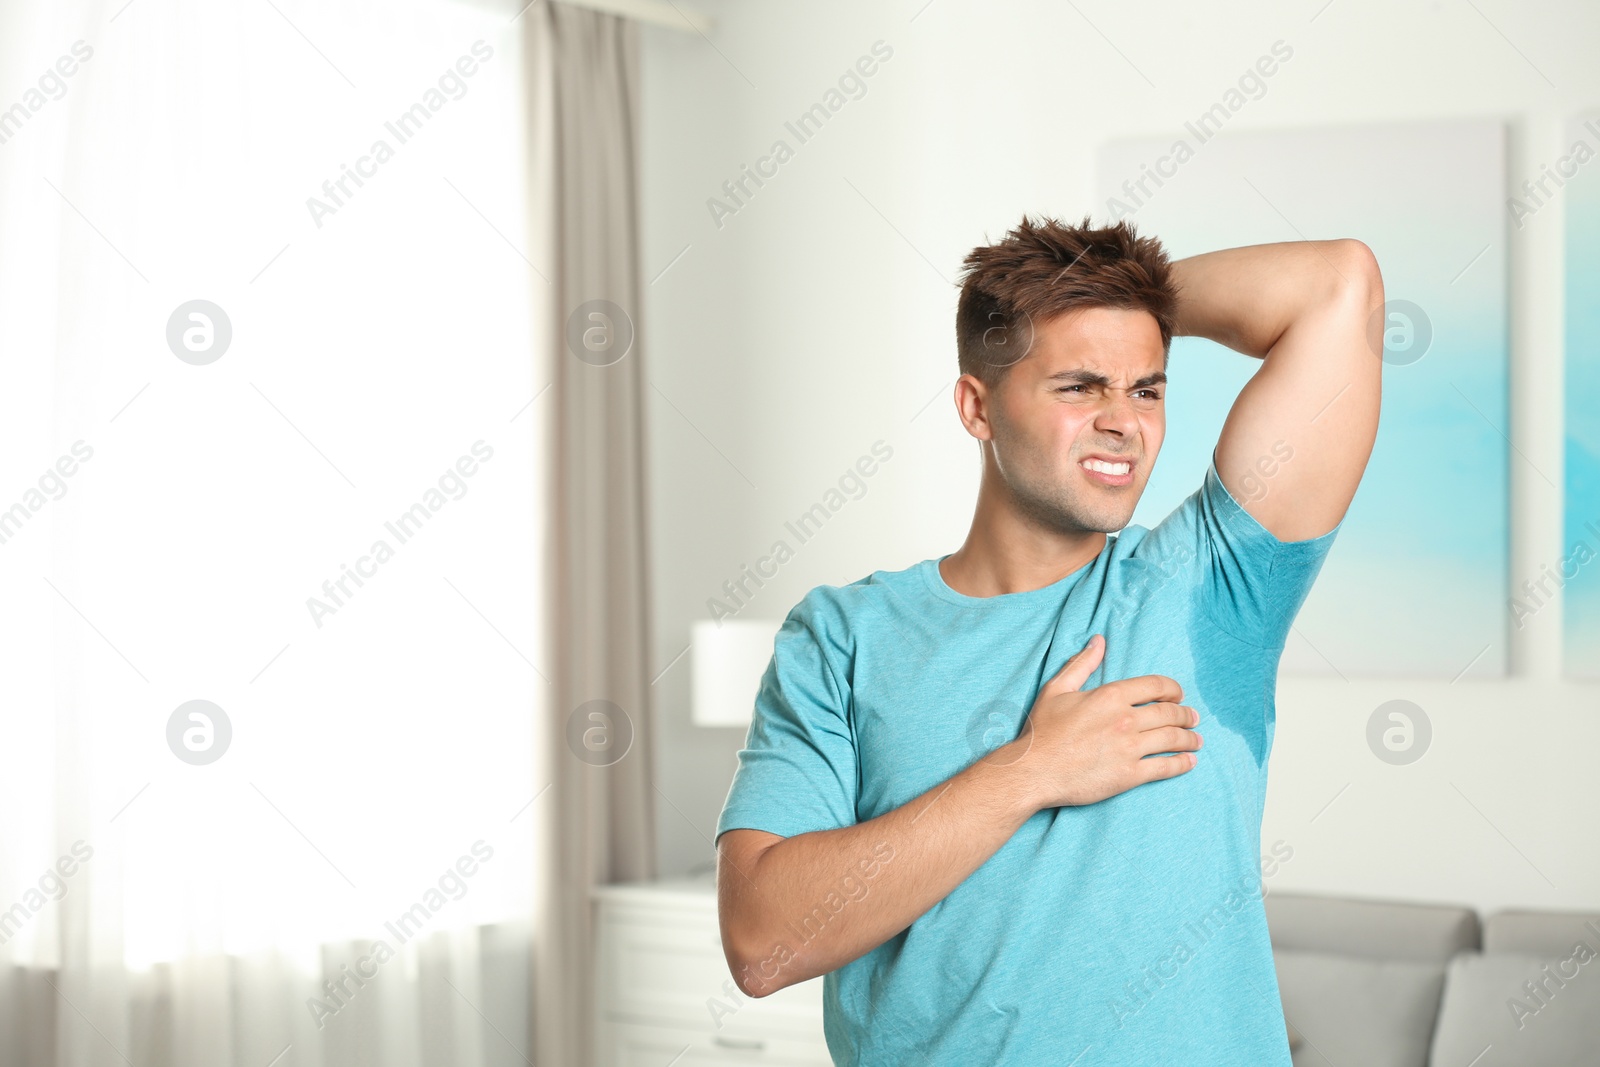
(654, 12)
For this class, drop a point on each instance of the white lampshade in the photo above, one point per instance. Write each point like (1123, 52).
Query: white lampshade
(726, 665)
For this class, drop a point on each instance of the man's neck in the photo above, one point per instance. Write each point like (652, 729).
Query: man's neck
(987, 566)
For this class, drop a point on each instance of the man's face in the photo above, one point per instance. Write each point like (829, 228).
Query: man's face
(1090, 390)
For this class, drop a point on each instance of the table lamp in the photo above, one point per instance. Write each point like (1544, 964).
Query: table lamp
(727, 662)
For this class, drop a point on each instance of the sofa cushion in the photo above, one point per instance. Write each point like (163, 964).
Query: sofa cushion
(1372, 929)
(1377, 1013)
(1544, 933)
(1489, 1018)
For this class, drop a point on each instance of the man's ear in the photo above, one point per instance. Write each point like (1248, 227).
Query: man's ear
(972, 396)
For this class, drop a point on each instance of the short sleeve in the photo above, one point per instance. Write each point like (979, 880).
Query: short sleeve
(797, 771)
(1253, 583)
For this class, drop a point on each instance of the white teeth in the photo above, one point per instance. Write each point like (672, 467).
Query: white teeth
(1107, 468)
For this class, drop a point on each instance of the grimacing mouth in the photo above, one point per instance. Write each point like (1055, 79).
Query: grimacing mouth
(1109, 460)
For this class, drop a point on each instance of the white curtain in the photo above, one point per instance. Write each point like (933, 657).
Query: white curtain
(272, 302)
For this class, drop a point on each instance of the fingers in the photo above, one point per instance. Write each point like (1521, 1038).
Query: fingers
(1169, 739)
(1158, 767)
(1165, 713)
(1080, 665)
(1143, 689)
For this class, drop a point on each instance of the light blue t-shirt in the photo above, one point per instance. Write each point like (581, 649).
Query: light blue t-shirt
(1129, 931)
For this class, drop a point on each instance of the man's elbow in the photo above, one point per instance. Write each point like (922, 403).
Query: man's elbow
(758, 972)
(1358, 266)
(757, 958)
(762, 959)
(1358, 293)
(751, 985)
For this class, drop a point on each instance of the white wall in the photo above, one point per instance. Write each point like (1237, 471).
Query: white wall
(820, 318)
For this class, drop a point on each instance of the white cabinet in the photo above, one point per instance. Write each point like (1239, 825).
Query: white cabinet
(664, 989)
(658, 1046)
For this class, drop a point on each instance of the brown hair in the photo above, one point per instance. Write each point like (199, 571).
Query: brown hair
(1043, 269)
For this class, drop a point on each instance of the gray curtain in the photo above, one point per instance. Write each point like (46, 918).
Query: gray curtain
(598, 813)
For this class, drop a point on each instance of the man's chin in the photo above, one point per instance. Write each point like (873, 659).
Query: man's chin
(1110, 523)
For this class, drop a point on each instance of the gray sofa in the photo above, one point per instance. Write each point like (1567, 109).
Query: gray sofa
(1381, 984)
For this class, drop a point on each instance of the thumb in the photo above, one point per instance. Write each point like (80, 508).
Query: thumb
(1079, 666)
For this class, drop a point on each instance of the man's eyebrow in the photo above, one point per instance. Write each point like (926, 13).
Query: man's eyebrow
(1089, 377)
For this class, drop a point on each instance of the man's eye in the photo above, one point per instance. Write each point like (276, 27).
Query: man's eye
(1143, 394)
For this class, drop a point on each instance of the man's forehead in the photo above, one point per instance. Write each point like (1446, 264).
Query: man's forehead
(1110, 341)
(1132, 364)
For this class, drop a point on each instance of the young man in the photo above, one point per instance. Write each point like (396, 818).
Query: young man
(975, 792)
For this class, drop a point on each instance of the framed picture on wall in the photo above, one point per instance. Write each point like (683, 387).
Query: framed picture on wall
(1416, 584)
(1577, 572)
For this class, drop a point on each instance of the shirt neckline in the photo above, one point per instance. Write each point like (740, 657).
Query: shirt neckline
(940, 588)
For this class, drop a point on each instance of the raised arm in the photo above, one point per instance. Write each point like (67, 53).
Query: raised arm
(1298, 438)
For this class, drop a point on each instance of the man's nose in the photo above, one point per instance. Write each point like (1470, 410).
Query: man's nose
(1116, 412)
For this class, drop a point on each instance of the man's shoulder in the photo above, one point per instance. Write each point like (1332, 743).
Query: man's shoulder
(838, 609)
